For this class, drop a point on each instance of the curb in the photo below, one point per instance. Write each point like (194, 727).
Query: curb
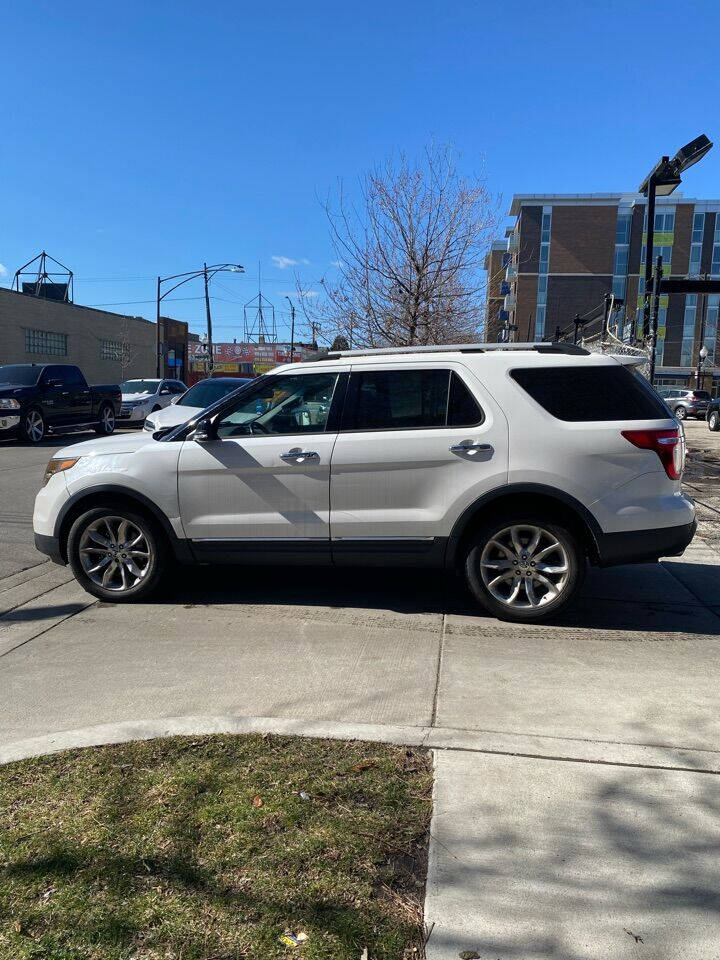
(645, 756)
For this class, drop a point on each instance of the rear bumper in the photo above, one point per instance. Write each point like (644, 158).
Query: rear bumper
(50, 546)
(643, 546)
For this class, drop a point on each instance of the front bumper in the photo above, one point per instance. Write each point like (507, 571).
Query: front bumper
(8, 422)
(643, 546)
(50, 546)
(130, 415)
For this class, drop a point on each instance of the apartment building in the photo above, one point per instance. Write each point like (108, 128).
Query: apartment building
(565, 252)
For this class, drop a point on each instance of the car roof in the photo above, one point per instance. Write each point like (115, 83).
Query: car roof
(493, 354)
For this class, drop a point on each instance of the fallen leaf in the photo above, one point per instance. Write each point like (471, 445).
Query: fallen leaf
(469, 955)
(363, 765)
(257, 801)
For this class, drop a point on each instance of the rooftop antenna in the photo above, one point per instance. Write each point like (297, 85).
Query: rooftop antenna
(259, 317)
(43, 283)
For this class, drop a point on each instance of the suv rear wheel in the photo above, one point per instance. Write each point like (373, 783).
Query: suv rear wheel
(524, 568)
(116, 554)
(680, 413)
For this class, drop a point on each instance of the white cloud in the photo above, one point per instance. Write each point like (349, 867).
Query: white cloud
(307, 293)
(336, 263)
(3, 270)
(282, 263)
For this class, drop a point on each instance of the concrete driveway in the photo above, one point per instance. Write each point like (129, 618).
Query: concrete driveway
(540, 730)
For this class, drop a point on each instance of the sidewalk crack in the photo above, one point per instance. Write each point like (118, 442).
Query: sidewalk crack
(438, 671)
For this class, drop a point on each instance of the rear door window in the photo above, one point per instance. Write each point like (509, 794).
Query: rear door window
(585, 394)
(409, 400)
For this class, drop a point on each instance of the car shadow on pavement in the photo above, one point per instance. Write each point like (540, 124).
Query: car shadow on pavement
(608, 601)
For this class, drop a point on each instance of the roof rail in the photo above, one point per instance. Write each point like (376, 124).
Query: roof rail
(566, 348)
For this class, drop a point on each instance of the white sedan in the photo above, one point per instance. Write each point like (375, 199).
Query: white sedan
(141, 397)
(194, 401)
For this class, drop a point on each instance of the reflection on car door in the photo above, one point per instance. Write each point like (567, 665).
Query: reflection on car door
(262, 487)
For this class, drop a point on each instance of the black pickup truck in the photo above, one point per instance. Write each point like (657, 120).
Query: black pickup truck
(37, 399)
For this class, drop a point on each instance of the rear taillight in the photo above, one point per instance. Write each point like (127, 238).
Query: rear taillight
(667, 444)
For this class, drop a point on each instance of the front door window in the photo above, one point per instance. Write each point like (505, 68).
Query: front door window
(291, 404)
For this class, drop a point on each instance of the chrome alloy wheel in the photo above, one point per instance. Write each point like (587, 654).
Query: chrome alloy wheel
(35, 426)
(107, 421)
(524, 566)
(115, 553)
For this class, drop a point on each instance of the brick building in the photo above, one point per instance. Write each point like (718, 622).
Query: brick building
(566, 251)
(496, 261)
(108, 347)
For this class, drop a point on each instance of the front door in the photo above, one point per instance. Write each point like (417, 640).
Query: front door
(55, 396)
(261, 487)
(417, 445)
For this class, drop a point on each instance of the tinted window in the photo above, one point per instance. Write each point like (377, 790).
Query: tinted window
(291, 404)
(139, 386)
(399, 399)
(177, 387)
(411, 399)
(208, 391)
(73, 377)
(583, 394)
(463, 409)
(701, 394)
(19, 374)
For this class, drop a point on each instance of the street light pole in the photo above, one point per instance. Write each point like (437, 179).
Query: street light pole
(649, 248)
(654, 323)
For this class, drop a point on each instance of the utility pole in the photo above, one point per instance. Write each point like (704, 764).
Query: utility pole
(558, 333)
(292, 327)
(158, 371)
(606, 315)
(578, 323)
(209, 318)
(655, 310)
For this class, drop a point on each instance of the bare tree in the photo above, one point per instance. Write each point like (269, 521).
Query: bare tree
(410, 254)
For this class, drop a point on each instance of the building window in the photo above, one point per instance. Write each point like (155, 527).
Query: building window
(46, 343)
(688, 333)
(543, 268)
(711, 326)
(111, 350)
(695, 256)
(698, 227)
(624, 223)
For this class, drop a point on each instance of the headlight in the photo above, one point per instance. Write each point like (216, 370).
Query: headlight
(134, 403)
(149, 425)
(57, 466)
(8, 403)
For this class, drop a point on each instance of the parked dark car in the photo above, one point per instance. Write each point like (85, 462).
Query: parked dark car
(686, 403)
(713, 414)
(37, 399)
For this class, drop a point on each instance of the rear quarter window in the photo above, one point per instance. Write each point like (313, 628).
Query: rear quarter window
(585, 394)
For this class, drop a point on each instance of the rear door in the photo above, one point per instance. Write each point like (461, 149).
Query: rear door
(80, 396)
(418, 443)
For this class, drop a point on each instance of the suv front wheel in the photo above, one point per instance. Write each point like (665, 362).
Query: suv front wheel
(524, 568)
(116, 554)
(714, 420)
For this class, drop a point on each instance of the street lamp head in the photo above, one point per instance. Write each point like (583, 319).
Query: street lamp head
(691, 153)
(237, 268)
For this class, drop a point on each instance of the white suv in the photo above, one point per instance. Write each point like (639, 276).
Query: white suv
(515, 465)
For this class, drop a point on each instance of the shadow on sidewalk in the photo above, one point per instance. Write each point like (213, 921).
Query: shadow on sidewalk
(609, 599)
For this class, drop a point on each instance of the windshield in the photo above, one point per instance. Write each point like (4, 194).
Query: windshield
(20, 374)
(139, 386)
(208, 391)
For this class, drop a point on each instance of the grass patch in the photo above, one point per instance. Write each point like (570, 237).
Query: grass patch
(210, 848)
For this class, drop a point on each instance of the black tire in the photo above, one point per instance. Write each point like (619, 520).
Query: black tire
(106, 420)
(32, 426)
(680, 413)
(153, 537)
(155, 409)
(714, 421)
(569, 554)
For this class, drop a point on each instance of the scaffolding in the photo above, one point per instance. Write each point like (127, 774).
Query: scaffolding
(44, 284)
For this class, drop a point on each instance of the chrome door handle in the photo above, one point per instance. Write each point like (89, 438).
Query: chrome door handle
(466, 447)
(292, 455)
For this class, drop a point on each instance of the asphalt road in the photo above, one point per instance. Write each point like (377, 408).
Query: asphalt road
(600, 729)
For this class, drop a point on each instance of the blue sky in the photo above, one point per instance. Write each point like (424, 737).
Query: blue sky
(142, 138)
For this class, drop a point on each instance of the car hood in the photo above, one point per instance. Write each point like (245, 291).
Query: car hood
(173, 415)
(106, 446)
(14, 389)
(137, 396)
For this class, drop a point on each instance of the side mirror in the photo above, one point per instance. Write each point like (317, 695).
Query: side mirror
(203, 432)
(164, 392)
